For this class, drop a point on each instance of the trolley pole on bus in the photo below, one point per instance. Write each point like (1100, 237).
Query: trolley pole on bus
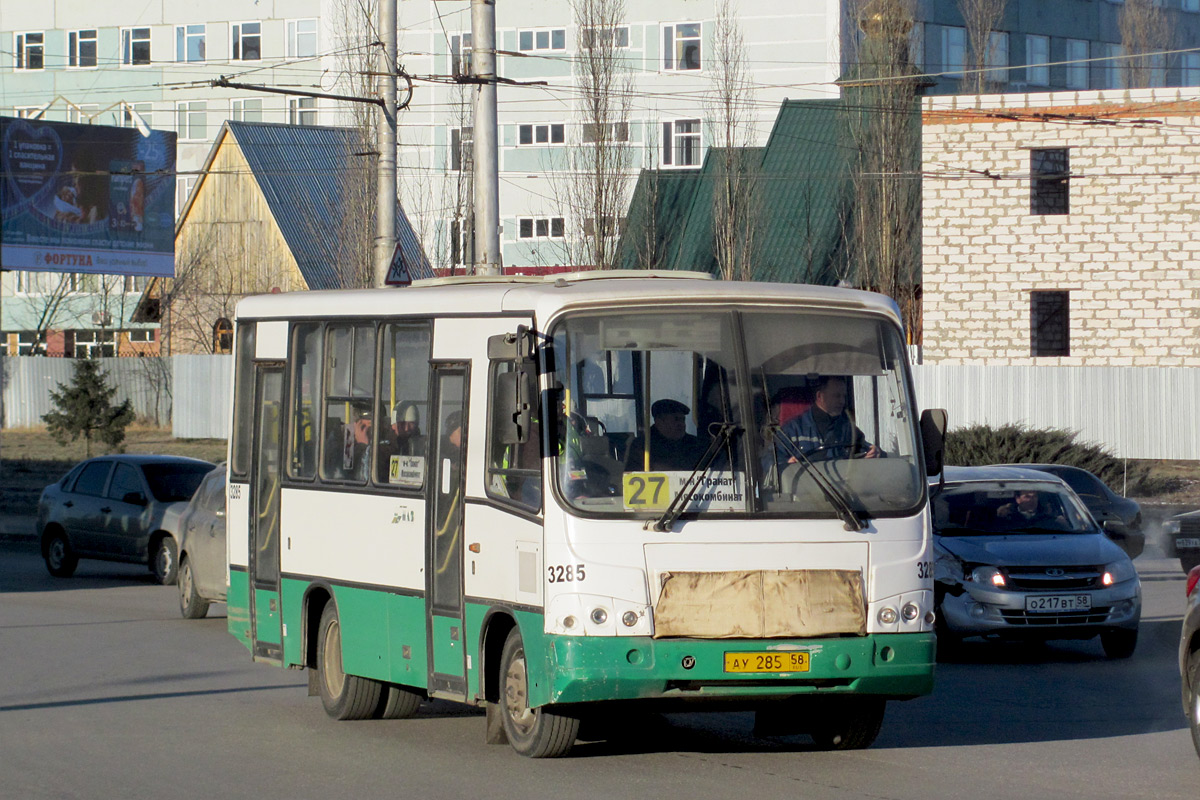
(385, 205)
(487, 166)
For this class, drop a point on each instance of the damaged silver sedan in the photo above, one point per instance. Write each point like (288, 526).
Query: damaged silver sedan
(1018, 556)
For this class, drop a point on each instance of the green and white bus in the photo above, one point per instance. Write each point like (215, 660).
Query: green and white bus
(556, 497)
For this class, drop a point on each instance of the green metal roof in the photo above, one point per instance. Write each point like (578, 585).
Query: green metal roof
(801, 187)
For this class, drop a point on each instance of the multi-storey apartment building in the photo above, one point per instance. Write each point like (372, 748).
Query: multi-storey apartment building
(113, 63)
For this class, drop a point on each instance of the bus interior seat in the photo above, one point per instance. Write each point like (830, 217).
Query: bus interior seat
(791, 402)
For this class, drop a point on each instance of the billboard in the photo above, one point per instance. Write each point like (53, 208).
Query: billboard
(86, 198)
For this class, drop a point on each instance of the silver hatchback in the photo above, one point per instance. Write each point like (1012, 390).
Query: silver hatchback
(111, 508)
(1019, 556)
(199, 531)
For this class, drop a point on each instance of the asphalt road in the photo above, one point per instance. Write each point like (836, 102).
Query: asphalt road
(105, 692)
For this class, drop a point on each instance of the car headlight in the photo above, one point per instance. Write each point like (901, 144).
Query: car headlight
(1172, 526)
(988, 576)
(1118, 572)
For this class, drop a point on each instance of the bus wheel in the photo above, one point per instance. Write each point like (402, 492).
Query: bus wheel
(851, 724)
(397, 702)
(532, 732)
(344, 696)
(191, 604)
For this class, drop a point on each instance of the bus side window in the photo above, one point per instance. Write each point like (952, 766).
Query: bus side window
(514, 471)
(403, 401)
(348, 419)
(306, 393)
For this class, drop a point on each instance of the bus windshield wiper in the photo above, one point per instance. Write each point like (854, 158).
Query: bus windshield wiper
(834, 495)
(724, 433)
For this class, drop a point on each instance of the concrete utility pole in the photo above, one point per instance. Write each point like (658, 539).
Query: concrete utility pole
(385, 217)
(487, 166)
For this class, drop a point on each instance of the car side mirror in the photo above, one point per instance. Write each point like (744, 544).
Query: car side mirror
(1115, 527)
(134, 499)
(933, 439)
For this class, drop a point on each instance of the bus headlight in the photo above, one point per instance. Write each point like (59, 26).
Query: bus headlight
(599, 615)
(629, 619)
(910, 612)
(887, 615)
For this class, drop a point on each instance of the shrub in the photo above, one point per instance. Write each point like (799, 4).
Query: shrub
(978, 445)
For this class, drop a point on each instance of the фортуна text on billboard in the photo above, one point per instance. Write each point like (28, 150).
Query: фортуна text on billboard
(86, 198)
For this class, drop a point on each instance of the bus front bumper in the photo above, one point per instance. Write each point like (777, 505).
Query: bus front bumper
(585, 668)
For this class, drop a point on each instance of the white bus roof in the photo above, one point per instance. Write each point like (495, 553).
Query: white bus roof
(545, 295)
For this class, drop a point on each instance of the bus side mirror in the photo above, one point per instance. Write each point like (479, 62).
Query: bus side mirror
(514, 404)
(933, 438)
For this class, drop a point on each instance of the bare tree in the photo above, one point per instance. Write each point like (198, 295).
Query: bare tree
(980, 17)
(50, 306)
(1145, 33)
(595, 192)
(736, 178)
(883, 223)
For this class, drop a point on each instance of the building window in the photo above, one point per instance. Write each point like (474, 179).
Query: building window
(541, 134)
(83, 114)
(1191, 68)
(302, 110)
(681, 46)
(1037, 58)
(681, 143)
(552, 39)
(136, 283)
(301, 38)
(541, 227)
(81, 49)
(31, 50)
(460, 54)
(191, 119)
(610, 226)
(1077, 64)
(617, 132)
(1115, 71)
(954, 50)
(144, 111)
(140, 335)
(135, 46)
(461, 148)
(997, 57)
(95, 344)
(222, 337)
(1049, 324)
(249, 109)
(183, 188)
(247, 41)
(1050, 181)
(29, 343)
(597, 38)
(25, 112)
(189, 42)
(462, 243)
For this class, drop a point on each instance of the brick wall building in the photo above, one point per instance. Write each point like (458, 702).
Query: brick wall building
(1062, 228)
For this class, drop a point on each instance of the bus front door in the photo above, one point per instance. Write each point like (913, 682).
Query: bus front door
(265, 610)
(444, 578)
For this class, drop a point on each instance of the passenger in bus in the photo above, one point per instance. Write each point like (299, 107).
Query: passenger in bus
(406, 429)
(671, 446)
(825, 431)
(356, 458)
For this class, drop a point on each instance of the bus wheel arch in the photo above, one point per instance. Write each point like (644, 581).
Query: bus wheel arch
(496, 627)
(540, 732)
(315, 601)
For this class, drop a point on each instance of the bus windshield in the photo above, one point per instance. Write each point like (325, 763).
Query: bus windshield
(734, 411)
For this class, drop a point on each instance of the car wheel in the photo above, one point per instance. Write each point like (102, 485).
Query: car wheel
(61, 560)
(1194, 697)
(1119, 642)
(191, 605)
(851, 724)
(533, 732)
(164, 563)
(343, 696)
(1189, 562)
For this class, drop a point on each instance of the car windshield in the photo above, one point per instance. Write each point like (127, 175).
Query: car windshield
(170, 483)
(987, 507)
(642, 396)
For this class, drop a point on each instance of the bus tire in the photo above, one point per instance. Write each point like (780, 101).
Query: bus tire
(397, 702)
(344, 696)
(851, 724)
(191, 605)
(532, 732)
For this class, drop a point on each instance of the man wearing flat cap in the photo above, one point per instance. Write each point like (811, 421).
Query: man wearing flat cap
(671, 446)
